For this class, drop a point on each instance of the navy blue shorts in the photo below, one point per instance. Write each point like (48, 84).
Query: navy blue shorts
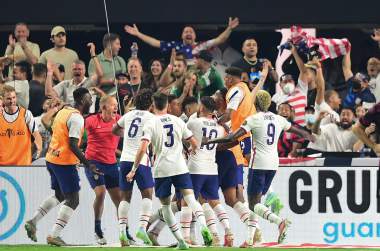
(259, 181)
(63, 177)
(206, 185)
(246, 146)
(163, 186)
(227, 169)
(143, 177)
(110, 178)
(240, 174)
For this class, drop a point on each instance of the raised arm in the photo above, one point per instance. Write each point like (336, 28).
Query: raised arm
(300, 64)
(346, 66)
(49, 90)
(232, 24)
(359, 130)
(260, 84)
(134, 31)
(320, 82)
(317, 125)
(166, 78)
(98, 67)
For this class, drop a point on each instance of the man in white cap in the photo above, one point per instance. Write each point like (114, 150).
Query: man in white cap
(59, 54)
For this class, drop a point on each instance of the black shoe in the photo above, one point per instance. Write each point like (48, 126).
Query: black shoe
(130, 238)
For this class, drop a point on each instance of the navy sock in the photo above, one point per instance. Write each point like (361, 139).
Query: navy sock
(98, 228)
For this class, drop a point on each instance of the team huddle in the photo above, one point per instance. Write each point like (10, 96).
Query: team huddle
(160, 150)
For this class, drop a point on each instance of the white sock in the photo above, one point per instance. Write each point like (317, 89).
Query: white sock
(210, 218)
(168, 215)
(270, 190)
(146, 212)
(196, 208)
(222, 216)
(186, 218)
(252, 225)
(193, 235)
(64, 215)
(122, 212)
(44, 208)
(267, 214)
(156, 230)
(242, 211)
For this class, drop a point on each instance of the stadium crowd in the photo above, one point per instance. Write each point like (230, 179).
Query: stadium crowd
(44, 95)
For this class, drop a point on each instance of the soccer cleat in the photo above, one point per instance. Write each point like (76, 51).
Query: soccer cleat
(142, 235)
(182, 245)
(215, 240)
(229, 239)
(130, 238)
(245, 244)
(31, 230)
(123, 240)
(100, 239)
(154, 238)
(55, 241)
(258, 237)
(282, 228)
(207, 237)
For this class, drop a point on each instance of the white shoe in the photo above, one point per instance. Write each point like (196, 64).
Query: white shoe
(100, 240)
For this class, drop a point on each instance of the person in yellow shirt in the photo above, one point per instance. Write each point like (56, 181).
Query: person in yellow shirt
(17, 126)
(61, 160)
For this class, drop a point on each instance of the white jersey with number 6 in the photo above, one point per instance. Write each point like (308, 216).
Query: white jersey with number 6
(203, 161)
(133, 123)
(266, 128)
(166, 133)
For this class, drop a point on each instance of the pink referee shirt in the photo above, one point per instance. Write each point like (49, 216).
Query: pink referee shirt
(101, 143)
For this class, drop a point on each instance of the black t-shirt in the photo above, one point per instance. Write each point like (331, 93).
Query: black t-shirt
(250, 66)
(36, 97)
(127, 90)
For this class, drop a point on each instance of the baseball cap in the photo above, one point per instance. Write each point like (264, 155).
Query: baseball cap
(56, 30)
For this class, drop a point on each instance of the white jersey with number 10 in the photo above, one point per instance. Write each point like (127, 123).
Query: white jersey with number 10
(165, 133)
(266, 128)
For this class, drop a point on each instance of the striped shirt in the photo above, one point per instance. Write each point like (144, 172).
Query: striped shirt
(298, 100)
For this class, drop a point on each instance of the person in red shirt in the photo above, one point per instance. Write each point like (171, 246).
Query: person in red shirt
(101, 148)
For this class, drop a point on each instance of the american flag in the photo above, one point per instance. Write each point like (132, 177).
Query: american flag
(328, 47)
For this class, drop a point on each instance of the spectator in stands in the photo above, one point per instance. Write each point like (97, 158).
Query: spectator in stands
(289, 142)
(152, 79)
(64, 90)
(327, 101)
(250, 63)
(174, 75)
(370, 119)
(358, 90)
(20, 49)
(376, 36)
(336, 137)
(224, 56)
(373, 70)
(188, 46)
(21, 75)
(17, 126)
(37, 89)
(209, 79)
(61, 74)
(108, 59)
(59, 54)
(294, 95)
(360, 111)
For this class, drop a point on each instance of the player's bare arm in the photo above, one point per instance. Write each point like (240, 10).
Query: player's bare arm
(139, 155)
(227, 139)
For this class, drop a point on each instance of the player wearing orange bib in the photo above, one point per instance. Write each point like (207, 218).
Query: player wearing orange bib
(61, 160)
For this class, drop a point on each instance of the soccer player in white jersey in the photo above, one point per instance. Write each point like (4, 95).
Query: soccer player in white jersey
(204, 170)
(266, 128)
(166, 133)
(130, 126)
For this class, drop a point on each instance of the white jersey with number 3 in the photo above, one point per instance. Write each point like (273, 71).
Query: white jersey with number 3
(266, 128)
(203, 161)
(133, 123)
(166, 133)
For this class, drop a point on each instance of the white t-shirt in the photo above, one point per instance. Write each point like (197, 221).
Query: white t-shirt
(335, 139)
(75, 124)
(133, 123)
(29, 119)
(266, 129)
(324, 107)
(166, 133)
(374, 86)
(203, 161)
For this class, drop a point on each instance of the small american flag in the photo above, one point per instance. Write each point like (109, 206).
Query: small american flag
(328, 47)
